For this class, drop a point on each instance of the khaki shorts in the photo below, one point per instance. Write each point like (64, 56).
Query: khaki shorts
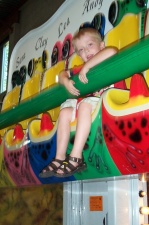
(73, 103)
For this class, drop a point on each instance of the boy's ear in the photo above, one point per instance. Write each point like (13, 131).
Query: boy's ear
(102, 45)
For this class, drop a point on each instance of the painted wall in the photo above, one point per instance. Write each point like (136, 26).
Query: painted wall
(33, 206)
(32, 15)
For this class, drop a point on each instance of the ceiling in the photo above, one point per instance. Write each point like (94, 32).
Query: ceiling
(9, 14)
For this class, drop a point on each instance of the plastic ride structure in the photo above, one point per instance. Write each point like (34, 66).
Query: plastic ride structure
(118, 140)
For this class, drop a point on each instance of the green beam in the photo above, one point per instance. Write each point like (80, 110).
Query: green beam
(133, 59)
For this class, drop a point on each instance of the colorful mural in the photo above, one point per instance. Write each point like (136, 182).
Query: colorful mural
(117, 144)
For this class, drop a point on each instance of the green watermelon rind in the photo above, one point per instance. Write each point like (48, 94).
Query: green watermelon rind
(96, 142)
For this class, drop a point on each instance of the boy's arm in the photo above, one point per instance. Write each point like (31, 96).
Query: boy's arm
(68, 83)
(101, 56)
(64, 77)
(98, 58)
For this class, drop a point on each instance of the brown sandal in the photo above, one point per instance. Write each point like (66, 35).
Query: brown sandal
(69, 169)
(47, 172)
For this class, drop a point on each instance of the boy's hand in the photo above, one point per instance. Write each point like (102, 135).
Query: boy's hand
(70, 87)
(82, 75)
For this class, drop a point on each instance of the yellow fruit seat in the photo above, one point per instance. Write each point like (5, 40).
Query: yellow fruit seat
(42, 129)
(31, 88)
(50, 78)
(11, 100)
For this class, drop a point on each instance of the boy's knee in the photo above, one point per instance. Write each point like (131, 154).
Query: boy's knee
(85, 106)
(65, 113)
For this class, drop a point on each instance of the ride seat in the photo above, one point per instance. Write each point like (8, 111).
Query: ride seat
(31, 88)
(50, 78)
(10, 100)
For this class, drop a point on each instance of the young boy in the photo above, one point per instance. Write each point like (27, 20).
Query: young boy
(89, 46)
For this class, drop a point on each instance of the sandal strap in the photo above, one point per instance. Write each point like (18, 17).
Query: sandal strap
(68, 168)
(58, 160)
(74, 159)
(67, 164)
(52, 164)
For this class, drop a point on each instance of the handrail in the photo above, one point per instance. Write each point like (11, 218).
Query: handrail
(130, 60)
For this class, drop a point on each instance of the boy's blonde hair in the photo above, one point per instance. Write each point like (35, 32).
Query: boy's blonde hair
(91, 31)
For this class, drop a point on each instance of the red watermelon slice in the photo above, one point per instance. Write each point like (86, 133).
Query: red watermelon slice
(125, 116)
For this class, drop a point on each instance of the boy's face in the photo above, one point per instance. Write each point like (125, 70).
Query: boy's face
(87, 46)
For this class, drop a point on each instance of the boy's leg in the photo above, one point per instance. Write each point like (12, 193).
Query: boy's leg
(83, 129)
(82, 132)
(63, 132)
